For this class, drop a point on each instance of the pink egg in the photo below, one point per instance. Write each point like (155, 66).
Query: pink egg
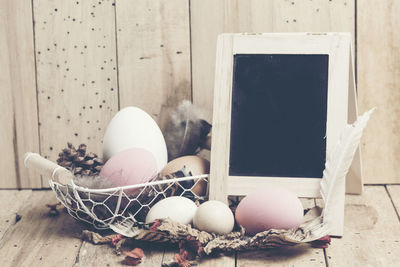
(130, 167)
(269, 208)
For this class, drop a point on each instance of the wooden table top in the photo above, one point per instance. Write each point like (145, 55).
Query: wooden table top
(371, 237)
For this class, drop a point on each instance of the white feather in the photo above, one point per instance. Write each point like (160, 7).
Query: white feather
(339, 161)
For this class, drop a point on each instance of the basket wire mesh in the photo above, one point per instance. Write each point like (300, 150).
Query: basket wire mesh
(103, 207)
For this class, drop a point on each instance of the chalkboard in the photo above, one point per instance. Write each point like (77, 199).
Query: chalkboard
(281, 102)
(279, 115)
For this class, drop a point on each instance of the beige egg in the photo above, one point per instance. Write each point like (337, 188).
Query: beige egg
(214, 217)
(179, 209)
(195, 165)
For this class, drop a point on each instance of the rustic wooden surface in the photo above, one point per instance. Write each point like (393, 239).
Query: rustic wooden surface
(104, 255)
(371, 237)
(38, 239)
(13, 201)
(18, 108)
(210, 261)
(371, 231)
(394, 193)
(378, 70)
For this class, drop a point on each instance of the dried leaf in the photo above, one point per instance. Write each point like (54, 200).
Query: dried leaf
(133, 257)
(155, 225)
(96, 238)
(323, 242)
(191, 247)
(115, 239)
(181, 260)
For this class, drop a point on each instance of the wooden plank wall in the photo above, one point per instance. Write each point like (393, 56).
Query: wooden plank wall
(153, 54)
(69, 66)
(378, 69)
(18, 106)
(76, 72)
(255, 16)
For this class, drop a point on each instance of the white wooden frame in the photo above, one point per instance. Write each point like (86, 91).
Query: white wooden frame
(338, 47)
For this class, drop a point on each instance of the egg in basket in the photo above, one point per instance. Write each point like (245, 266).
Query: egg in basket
(135, 175)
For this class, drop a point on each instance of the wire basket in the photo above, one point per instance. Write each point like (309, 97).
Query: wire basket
(103, 207)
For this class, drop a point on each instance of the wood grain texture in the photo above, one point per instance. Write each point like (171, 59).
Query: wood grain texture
(218, 261)
(301, 255)
(7, 164)
(18, 110)
(206, 261)
(371, 232)
(40, 240)
(104, 255)
(76, 73)
(169, 252)
(354, 178)
(378, 69)
(97, 255)
(154, 55)
(11, 201)
(394, 192)
(219, 168)
(371, 237)
(254, 16)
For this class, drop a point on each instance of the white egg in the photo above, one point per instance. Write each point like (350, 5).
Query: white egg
(215, 217)
(179, 209)
(132, 127)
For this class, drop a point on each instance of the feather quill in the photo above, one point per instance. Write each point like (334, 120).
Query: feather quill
(339, 161)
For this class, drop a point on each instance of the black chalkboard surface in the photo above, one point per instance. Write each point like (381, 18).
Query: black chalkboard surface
(279, 115)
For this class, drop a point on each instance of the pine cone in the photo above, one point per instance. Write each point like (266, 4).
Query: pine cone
(79, 161)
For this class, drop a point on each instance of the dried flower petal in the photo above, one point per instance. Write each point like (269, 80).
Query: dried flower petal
(133, 257)
(192, 246)
(155, 225)
(115, 239)
(323, 242)
(181, 261)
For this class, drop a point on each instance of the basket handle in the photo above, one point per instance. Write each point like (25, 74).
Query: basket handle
(48, 168)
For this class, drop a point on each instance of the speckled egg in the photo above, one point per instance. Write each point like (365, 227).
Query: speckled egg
(193, 164)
